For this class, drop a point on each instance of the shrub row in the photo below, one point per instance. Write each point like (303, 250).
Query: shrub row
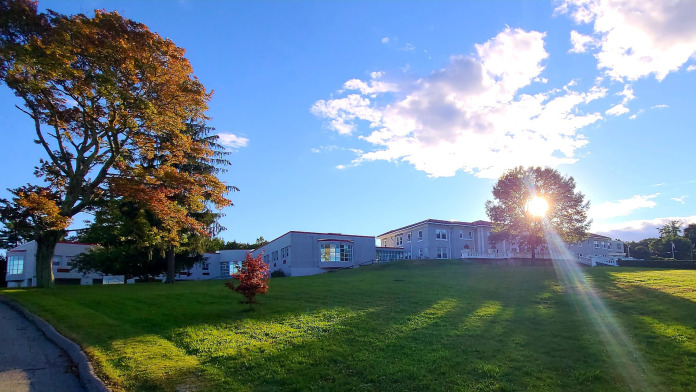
(678, 264)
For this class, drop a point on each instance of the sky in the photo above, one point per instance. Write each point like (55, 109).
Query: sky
(360, 117)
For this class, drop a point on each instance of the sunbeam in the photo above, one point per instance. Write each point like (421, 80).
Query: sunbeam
(626, 359)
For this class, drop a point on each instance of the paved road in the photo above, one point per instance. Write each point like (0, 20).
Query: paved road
(29, 361)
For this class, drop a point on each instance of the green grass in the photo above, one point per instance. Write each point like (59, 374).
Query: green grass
(411, 326)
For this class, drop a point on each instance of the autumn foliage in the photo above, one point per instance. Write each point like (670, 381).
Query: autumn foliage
(253, 278)
(115, 108)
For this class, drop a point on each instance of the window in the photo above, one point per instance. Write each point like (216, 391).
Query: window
(68, 260)
(408, 237)
(442, 253)
(206, 266)
(15, 264)
(266, 259)
(420, 253)
(618, 246)
(399, 240)
(420, 235)
(596, 244)
(441, 234)
(336, 252)
(471, 234)
(274, 256)
(285, 252)
(56, 260)
(461, 235)
(225, 268)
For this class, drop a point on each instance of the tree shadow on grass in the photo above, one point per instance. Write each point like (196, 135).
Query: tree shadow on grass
(662, 325)
(497, 341)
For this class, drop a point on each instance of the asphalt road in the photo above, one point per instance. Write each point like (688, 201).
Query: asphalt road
(29, 361)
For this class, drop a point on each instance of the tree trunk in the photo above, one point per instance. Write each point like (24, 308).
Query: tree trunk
(45, 247)
(533, 255)
(171, 266)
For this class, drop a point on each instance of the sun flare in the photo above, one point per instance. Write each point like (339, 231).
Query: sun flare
(537, 206)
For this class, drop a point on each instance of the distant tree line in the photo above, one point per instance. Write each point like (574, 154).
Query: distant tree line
(672, 238)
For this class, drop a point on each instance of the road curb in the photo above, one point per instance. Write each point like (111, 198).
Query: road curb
(86, 374)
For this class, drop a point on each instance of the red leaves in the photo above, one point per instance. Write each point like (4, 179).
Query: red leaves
(253, 278)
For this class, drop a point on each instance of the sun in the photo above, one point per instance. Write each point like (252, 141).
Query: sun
(537, 206)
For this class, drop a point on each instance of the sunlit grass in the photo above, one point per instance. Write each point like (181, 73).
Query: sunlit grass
(412, 326)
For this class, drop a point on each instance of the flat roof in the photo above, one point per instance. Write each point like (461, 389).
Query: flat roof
(439, 221)
(315, 233)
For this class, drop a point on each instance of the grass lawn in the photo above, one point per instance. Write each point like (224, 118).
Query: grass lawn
(409, 326)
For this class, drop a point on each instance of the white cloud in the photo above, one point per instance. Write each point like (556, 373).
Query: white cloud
(343, 111)
(617, 110)
(627, 94)
(662, 106)
(636, 230)
(679, 199)
(636, 38)
(622, 207)
(232, 141)
(691, 68)
(408, 47)
(385, 40)
(470, 115)
(581, 42)
(372, 87)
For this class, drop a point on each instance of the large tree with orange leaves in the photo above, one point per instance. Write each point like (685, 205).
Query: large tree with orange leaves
(109, 102)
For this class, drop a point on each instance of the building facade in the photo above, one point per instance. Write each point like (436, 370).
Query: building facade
(299, 253)
(21, 266)
(441, 239)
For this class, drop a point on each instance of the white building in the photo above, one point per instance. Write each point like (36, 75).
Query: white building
(441, 239)
(299, 253)
(21, 266)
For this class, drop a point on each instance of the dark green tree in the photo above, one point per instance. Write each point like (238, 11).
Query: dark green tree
(515, 222)
(690, 233)
(662, 247)
(671, 229)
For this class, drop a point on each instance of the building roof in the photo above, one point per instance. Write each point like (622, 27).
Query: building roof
(312, 232)
(438, 221)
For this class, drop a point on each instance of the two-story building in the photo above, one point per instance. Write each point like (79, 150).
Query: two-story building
(441, 239)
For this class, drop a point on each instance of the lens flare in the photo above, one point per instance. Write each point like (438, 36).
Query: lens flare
(627, 360)
(537, 206)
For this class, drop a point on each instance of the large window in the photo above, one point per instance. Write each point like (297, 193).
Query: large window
(441, 234)
(399, 240)
(336, 252)
(442, 253)
(15, 264)
(285, 252)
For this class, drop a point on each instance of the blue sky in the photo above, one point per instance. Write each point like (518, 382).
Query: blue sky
(360, 117)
